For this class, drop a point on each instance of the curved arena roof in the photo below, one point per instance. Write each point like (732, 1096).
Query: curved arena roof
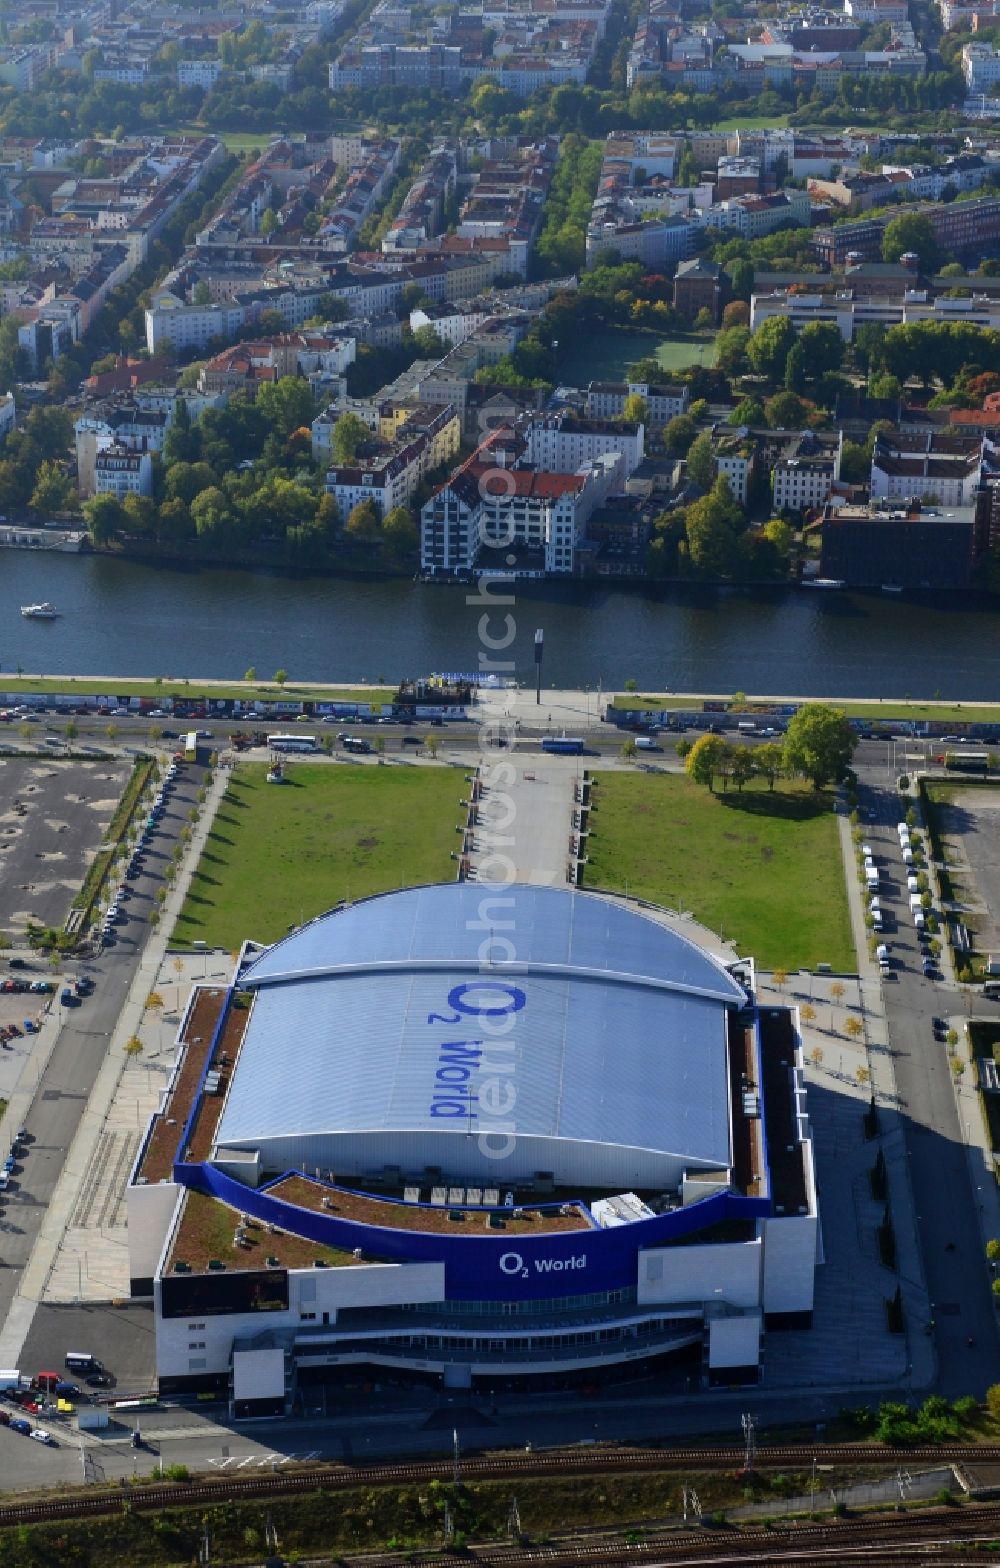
(378, 1037)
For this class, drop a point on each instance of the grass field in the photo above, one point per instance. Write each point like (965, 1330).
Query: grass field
(606, 356)
(190, 691)
(764, 869)
(891, 708)
(751, 122)
(235, 141)
(278, 855)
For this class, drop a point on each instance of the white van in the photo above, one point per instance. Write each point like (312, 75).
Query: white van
(871, 877)
(918, 919)
(646, 743)
(908, 857)
(912, 884)
(747, 727)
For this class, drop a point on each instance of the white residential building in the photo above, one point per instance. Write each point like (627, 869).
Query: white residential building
(562, 443)
(802, 480)
(980, 67)
(198, 73)
(492, 502)
(170, 320)
(119, 471)
(606, 400)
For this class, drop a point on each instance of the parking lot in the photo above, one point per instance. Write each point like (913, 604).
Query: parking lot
(970, 823)
(53, 816)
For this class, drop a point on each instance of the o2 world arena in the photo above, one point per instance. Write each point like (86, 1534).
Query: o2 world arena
(475, 1136)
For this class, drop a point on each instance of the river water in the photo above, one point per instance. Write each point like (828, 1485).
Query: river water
(129, 618)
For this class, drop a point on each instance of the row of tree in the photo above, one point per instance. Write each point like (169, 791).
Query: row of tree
(818, 745)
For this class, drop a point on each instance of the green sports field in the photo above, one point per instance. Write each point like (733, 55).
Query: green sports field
(606, 356)
(762, 868)
(279, 854)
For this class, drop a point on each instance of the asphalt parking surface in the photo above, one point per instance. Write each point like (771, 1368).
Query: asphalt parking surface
(53, 815)
(122, 1339)
(973, 818)
(66, 1084)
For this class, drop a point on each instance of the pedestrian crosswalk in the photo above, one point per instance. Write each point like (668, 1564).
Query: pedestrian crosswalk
(261, 1461)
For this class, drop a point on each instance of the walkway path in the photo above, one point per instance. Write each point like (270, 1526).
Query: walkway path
(524, 826)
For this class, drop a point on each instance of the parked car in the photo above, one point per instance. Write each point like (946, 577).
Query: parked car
(170, 734)
(41, 1436)
(18, 1424)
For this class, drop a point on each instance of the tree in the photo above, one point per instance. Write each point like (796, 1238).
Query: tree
(768, 347)
(819, 743)
(854, 1027)
(769, 758)
(679, 434)
(993, 1392)
(346, 436)
(701, 465)
(628, 748)
(250, 674)
(837, 990)
(795, 369)
(712, 524)
(736, 314)
(808, 1015)
(363, 522)
(822, 346)
(154, 1001)
(742, 767)
(53, 491)
(748, 411)
(636, 410)
(400, 534)
(731, 348)
(134, 1047)
(105, 518)
(280, 677)
(780, 977)
(286, 405)
(993, 1249)
(912, 231)
(785, 411)
(705, 760)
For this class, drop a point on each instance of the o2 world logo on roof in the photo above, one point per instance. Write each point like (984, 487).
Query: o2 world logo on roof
(454, 1095)
(513, 1265)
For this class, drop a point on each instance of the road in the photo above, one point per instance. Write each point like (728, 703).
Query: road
(947, 1208)
(66, 1083)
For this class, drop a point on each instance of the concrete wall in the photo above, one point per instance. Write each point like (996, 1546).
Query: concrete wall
(790, 1254)
(728, 1272)
(150, 1211)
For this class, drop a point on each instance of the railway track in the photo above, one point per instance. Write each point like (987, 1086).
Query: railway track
(495, 1467)
(886, 1542)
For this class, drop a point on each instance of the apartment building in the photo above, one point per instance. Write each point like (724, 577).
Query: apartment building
(387, 473)
(120, 471)
(496, 502)
(939, 468)
(606, 400)
(804, 476)
(563, 442)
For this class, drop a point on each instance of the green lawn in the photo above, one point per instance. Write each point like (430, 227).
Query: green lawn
(890, 708)
(678, 353)
(235, 141)
(191, 691)
(279, 854)
(751, 122)
(762, 868)
(606, 355)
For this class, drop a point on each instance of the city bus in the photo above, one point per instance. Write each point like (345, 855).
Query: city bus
(191, 746)
(293, 743)
(967, 761)
(563, 744)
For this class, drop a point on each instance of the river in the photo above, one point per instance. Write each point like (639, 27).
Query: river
(130, 618)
